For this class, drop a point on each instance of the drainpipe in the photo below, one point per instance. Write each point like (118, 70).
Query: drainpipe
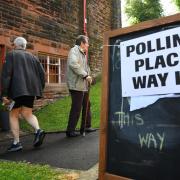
(84, 19)
(85, 24)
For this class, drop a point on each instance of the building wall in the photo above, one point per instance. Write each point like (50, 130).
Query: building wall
(99, 18)
(47, 25)
(51, 26)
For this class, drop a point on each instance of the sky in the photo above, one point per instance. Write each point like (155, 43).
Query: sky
(168, 6)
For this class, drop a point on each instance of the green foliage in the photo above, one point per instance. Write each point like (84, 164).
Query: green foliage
(27, 171)
(142, 10)
(177, 3)
(54, 117)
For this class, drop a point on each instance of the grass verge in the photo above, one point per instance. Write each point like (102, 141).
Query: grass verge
(26, 171)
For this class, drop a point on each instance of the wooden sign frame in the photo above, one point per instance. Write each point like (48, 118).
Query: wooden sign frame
(103, 175)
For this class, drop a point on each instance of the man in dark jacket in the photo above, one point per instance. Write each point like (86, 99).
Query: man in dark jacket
(22, 80)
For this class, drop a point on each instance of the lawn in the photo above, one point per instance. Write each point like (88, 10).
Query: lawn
(54, 117)
(26, 171)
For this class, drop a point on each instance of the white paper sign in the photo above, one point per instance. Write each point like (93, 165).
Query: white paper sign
(150, 65)
(139, 102)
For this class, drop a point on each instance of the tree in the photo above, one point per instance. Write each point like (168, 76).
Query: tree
(177, 3)
(142, 10)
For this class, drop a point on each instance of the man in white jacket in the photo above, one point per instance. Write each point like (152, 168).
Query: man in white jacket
(78, 81)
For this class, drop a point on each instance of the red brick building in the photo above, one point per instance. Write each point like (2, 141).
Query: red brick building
(51, 26)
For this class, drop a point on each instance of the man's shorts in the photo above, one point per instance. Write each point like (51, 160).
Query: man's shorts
(26, 101)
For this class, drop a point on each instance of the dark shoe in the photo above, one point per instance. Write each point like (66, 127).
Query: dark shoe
(82, 131)
(15, 147)
(39, 137)
(89, 130)
(71, 134)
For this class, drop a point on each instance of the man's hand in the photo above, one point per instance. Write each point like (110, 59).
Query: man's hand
(6, 101)
(89, 79)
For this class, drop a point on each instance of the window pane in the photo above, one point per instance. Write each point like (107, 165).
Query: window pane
(53, 70)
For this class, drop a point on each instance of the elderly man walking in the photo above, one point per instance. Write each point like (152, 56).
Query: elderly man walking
(78, 80)
(22, 80)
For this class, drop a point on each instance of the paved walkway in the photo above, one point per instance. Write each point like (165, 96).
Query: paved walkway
(76, 156)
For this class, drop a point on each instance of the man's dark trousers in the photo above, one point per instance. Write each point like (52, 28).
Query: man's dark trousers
(79, 102)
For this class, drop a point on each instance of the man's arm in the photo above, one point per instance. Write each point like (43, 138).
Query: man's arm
(42, 74)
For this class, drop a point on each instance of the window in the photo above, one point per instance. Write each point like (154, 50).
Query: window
(55, 68)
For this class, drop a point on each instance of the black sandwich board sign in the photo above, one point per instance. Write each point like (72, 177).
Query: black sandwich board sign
(140, 108)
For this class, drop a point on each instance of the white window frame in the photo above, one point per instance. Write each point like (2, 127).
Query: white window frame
(46, 61)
